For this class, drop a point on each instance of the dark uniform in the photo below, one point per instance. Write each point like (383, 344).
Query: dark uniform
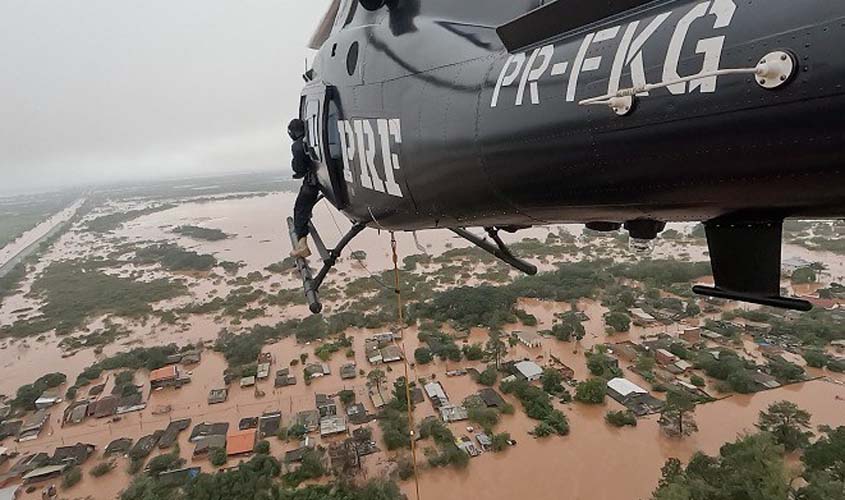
(303, 168)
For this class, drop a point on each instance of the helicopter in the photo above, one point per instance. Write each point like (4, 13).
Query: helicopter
(443, 114)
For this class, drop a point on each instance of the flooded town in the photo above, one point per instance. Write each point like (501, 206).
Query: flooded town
(422, 250)
(166, 335)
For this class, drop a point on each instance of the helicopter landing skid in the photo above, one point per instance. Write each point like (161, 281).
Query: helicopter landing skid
(500, 250)
(311, 283)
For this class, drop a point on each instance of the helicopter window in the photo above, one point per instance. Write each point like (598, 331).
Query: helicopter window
(345, 13)
(312, 113)
(352, 58)
(334, 146)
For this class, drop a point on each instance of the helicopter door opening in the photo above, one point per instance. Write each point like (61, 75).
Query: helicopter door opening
(321, 111)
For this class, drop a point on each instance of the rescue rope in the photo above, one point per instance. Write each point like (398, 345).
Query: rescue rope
(401, 317)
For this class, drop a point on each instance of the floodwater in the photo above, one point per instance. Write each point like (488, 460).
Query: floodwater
(572, 467)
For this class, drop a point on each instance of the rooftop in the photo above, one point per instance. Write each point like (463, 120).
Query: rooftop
(625, 387)
(528, 369)
(240, 442)
(166, 373)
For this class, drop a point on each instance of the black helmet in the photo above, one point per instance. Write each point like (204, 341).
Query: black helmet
(296, 129)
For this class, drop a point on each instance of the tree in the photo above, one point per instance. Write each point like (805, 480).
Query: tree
(488, 376)
(71, 476)
(377, 378)
(827, 454)
(591, 391)
(262, 447)
(676, 418)
(297, 431)
(501, 441)
(621, 418)
(217, 456)
(788, 423)
(473, 352)
(697, 381)
(551, 380)
(804, 275)
(751, 468)
(618, 321)
(496, 347)
(423, 356)
(347, 396)
(645, 363)
(815, 358)
(163, 463)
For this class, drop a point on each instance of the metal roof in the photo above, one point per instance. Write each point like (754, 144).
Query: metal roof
(625, 387)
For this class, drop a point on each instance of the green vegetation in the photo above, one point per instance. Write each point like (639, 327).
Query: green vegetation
(538, 406)
(423, 355)
(662, 273)
(27, 394)
(102, 468)
(473, 352)
(440, 344)
(618, 321)
(71, 476)
(217, 456)
(567, 328)
(697, 381)
(106, 223)
(262, 447)
(803, 275)
(73, 291)
(310, 468)
(488, 376)
(621, 418)
(163, 463)
(787, 423)
(785, 371)
(148, 358)
(552, 381)
(99, 338)
(732, 370)
(174, 258)
(676, 419)
(10, 282)
(602, 365)
(591, 391)
(201, 233)
(257, 478)
(326, 350)
(751, 468)
(347, 396)
(449, 453)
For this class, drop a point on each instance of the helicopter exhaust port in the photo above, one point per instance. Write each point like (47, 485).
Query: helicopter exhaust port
(642, 234)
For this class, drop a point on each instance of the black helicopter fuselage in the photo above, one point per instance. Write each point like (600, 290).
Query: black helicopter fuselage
(422, 118)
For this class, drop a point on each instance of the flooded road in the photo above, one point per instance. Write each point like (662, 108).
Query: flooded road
(13, 249)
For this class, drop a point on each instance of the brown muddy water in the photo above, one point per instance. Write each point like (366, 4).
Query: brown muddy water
(595, 462)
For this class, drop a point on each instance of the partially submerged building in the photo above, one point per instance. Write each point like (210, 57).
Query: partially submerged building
(348, 371)
(316, 370)
(310, 419)
(528, 370)
(205, 444)
(206, 429)
(436, 394)
(326, 405)
(357, 414)
(119, 446)
(32, 425)
(269, 424)
(240, 442)
(284, 378)
(167, 376)
(632, 396)
(529, 339)
(450, 413)
(332, 425)
(491, 398)
(171, 433)
(77, 454)
(145, 445)
(218, 396)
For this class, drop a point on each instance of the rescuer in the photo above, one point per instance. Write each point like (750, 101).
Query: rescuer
(303, 168)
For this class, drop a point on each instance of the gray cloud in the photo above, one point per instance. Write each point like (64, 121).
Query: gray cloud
(118, 89)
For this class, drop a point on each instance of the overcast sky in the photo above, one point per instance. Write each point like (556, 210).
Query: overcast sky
(103, 90)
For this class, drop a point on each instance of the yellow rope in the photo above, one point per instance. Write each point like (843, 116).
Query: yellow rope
(401, 316)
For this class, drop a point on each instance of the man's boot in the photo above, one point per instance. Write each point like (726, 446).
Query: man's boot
(301, 249)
